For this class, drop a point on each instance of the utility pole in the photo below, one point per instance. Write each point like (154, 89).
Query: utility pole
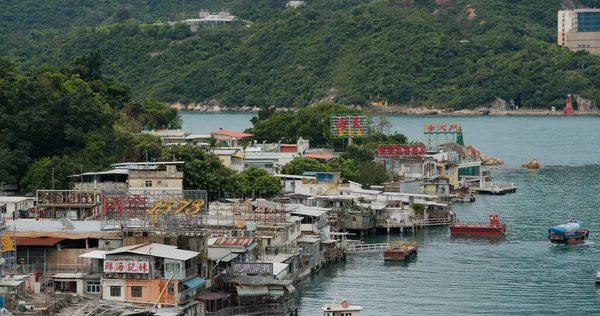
(52, 179)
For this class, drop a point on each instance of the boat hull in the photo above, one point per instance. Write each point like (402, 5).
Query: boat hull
(477, 230)
(399, 254)
(577, 237)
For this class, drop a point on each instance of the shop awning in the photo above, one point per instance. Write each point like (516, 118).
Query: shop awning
(194, 282)
(229, 257)
(252, 290)
(211, 296)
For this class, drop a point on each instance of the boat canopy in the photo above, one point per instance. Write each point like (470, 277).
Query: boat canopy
(564, 228)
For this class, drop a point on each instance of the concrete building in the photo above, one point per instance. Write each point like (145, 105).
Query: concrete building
(149, 273)
(210, 19)
(15, 205)
(294, 4)
(579, 29)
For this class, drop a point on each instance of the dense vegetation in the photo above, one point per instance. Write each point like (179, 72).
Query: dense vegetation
(59, 123)
(456, 53)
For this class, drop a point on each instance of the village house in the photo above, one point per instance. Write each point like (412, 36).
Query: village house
(16, 206)
(151, 273)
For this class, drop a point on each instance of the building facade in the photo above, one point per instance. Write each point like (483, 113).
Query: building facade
(579, 29)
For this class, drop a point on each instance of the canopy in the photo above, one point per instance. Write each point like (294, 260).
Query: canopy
(194, 282)
(564, 228)
(252, 290)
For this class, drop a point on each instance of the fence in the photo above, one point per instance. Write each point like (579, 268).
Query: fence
(264, 309)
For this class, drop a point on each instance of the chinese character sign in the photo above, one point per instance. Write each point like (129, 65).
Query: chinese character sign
(442, 129)
(252, 268)
(349, 126)
(401, 150)
(126, 266)
(8, 242)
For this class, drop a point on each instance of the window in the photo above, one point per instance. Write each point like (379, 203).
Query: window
(148, 183)
(93, 287)
(171, 288)
(115, 291)
(136, 291)
(173, 266)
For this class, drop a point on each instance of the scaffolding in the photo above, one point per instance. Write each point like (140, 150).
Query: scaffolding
(8, 244)
(166, 211)
(70, 204)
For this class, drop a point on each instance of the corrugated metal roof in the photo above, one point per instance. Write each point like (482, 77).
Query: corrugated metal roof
(308, 239)
(96, 254)
(157, 250)
(37, 241)
(240, 242)
(215, 254)
(252, 290)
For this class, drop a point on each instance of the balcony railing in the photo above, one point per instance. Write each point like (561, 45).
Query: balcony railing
(265, 309)
(59, 268)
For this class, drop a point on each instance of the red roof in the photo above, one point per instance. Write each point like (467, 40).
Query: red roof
(233, 241)
(320, 156)
(38, 241)
(289, 145)
(232, 134)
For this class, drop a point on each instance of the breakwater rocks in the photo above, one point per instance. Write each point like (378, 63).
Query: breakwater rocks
(532, 164)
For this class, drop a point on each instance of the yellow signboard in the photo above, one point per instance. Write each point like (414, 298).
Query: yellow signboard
(175, 207)
(7, 242)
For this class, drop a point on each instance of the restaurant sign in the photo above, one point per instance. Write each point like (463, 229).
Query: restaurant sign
(349, 126)
(401, 150)
(126, 266)
(253, 268)
(441, 129)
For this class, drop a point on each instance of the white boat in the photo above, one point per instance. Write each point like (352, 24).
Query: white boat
(597, 277)
(342, 309)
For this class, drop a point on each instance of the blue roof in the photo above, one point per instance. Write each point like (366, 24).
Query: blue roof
(564, 228)
(194, 282)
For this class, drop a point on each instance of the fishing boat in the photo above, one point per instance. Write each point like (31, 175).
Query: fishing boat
(342, 309)
(570, 233)
(495, 228)
(400, 252)
(597, 278)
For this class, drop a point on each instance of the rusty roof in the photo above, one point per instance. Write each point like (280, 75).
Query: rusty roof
(37, 241)
(232, 242)
(320, 156)
(232, 134)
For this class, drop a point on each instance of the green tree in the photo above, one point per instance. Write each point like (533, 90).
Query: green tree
(39, 175)
(348, 169)
(372, 174)
(299, 165)
(203, 171)
(258, 182)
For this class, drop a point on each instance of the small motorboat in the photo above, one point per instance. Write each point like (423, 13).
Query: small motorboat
(342, 309)
(597, 278)
(570, 233)
(400, 252)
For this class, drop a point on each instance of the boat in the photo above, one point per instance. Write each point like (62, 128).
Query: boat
(342, 309)
(597, 278)
(463, 198)
(400, 252)
(570, 233)
(495, 228)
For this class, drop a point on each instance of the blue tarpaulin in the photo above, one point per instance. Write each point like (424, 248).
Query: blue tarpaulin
(564, 228)
(195, 282)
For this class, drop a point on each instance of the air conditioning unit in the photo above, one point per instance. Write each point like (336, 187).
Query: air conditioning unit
(234, 233)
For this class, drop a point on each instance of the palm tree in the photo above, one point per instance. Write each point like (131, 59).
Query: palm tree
(212, 143)
(244, 143)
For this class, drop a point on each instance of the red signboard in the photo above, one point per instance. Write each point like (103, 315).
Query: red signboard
(401, 150)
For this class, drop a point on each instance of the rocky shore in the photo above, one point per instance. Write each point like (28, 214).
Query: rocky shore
(214, 107)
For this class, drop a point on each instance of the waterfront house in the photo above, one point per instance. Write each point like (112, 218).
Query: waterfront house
(151, 273)
(232, 138)
(16, 206)
(321, 183)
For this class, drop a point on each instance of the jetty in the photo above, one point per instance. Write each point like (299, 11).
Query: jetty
(363, 248)
(500, 188)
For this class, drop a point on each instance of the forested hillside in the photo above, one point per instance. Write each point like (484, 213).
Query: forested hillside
(443, 53)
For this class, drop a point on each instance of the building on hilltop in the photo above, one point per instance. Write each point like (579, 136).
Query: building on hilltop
(294, 4)
(579, 29)
(210, 19)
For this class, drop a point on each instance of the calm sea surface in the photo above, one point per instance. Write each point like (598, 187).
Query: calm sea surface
(523, 274)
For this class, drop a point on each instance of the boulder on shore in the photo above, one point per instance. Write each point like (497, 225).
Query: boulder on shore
(532, 164)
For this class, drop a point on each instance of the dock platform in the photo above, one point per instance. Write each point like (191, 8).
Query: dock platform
(362, 248)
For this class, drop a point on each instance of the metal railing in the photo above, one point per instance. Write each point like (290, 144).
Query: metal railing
(265, 309)
(59, 268)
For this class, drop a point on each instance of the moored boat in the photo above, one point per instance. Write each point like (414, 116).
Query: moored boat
(495, 228)
(597, 278)
(400, 252)
(342, 309)
(570, 233)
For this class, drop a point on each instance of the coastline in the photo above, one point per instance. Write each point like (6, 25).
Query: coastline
(390, 110)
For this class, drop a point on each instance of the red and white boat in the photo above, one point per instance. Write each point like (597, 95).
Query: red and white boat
(495, 228)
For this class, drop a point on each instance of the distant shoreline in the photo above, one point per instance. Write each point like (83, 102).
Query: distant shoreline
(388, 111)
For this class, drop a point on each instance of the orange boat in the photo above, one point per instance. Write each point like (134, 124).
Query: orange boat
(493, 229)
